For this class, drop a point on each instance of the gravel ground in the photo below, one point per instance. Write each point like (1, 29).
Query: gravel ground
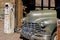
(4, 36)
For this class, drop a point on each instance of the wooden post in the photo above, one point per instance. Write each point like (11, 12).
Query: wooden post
(19, 13)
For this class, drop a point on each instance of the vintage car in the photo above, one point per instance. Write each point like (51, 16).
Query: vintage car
(39, 25)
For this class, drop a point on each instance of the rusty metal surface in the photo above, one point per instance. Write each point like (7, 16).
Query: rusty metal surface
(58, 29)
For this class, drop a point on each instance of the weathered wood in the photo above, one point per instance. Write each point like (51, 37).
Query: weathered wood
(19, 5)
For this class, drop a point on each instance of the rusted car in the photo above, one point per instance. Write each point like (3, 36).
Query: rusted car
(39, 25)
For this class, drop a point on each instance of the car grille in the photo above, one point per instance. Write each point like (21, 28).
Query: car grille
(31, 27)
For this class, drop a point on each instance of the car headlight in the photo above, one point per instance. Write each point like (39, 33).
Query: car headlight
(43, 24)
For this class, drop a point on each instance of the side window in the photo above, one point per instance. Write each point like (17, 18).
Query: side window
(45, 4)
(52, 3)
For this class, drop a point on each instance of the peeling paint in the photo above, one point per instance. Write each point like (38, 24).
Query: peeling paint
(9, 19)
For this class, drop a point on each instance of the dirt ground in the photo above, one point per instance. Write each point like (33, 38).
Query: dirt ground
(4, 36)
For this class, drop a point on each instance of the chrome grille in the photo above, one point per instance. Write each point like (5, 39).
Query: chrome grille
(31, 27)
